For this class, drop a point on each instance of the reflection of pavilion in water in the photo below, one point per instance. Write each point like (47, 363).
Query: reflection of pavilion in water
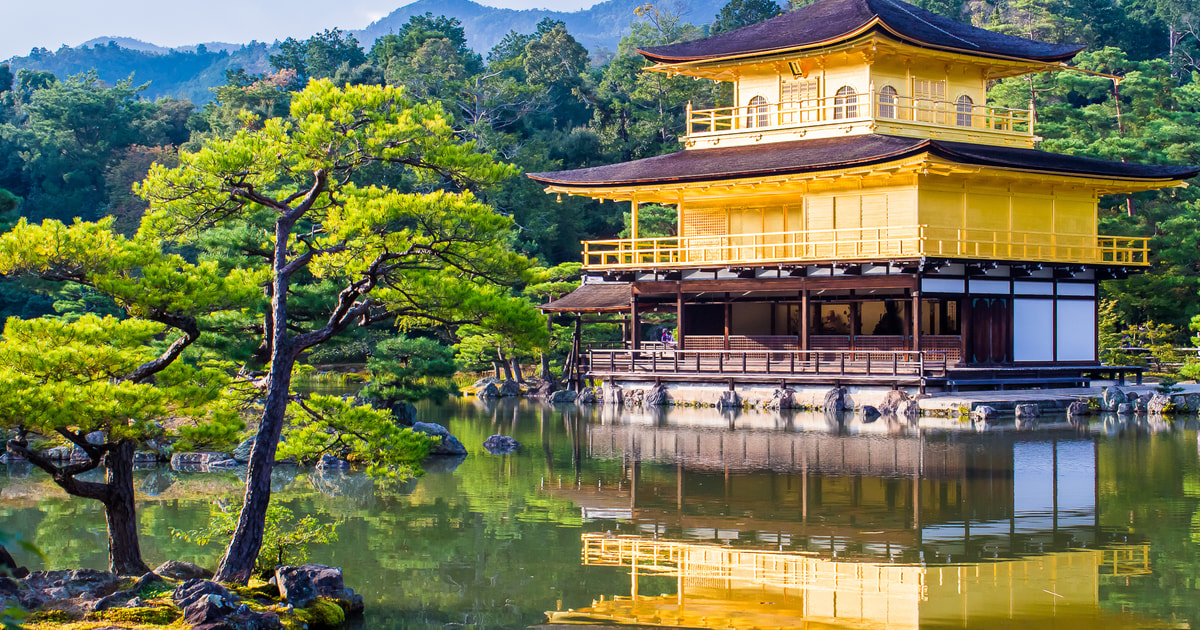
(724, 587)
(932, 497)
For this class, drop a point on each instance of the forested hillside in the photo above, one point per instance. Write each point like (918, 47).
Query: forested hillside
(73, 147)
(600, 26)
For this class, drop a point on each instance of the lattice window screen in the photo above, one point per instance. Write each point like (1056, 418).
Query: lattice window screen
(705, 222)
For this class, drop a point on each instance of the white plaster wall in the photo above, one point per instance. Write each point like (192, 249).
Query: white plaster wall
(1033, 330)
(1076, 330)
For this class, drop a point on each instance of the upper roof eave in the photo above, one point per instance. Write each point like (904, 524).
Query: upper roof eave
(827, 21)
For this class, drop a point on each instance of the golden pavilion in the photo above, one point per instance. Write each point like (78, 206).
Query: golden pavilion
(860, 214)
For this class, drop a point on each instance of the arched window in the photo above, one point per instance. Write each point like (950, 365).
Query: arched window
(965, 107)
(845, 103)
(887, 102)
(757, 115)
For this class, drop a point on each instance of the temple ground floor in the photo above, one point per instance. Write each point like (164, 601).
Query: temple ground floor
(943, 323)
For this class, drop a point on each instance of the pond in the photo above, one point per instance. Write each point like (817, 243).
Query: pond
(701, 519)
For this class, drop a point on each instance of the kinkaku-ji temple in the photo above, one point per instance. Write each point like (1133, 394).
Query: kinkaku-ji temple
(860, 215)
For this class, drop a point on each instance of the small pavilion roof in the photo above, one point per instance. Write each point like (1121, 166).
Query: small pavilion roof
(828, 21)
(801, 156)
(600, 297)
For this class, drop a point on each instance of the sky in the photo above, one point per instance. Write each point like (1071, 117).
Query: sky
(52, 23)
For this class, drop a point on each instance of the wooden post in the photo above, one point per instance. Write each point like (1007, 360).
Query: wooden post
(964, 329)
(728, 319)
(633, 218)
(855, 325)
(576, 348)
(804, 319)
(635, 325)
(916, 321)
(679, 318)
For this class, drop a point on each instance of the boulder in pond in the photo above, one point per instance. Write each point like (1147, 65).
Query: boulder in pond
(330, 463)
(198, 461)
(501, 445)
(449, 444)
(586, 396)
(488, 391)
(984, 413)
(1141, 404)
(834, 401)
(656, 396)
(909, 410)
(562, 397)
(404, 413)
(1028, 411)
(177, 570)
(1111, 397)
(485, 381)
(782, 398)
(1180, 402)
(729, 400)
(509, 389)
(891, 401)
(1125, 409)
(1158, 404)
(300, 585)
(543, 389)
(1078, 409)
(869, 414)
(611, 394)
(1193, 401)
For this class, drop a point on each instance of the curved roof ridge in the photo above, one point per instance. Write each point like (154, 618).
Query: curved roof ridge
(827, 21)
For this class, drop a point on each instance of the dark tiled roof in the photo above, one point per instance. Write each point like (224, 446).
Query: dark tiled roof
(800, 156)
(828, 20)
(604, 297)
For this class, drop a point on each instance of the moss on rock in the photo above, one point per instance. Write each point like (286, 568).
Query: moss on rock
(145, 615)
(322, 613)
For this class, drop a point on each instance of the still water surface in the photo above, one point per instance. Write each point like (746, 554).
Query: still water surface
(696, 519)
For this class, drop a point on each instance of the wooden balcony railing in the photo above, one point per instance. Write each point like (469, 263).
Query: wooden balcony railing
(860, 244)
(767, 363)
(859, 107)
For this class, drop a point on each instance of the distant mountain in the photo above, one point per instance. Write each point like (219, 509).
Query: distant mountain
(177, 73)
(126, 42)
(603, 25)
(190, 71)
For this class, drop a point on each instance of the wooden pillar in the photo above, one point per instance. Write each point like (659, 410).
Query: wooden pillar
(633, 217)
(679, 318)
(635, 325)
(855, 323)
(964, 329)
(576, 349)
(916, 320)
(728, 319)
(804, 319)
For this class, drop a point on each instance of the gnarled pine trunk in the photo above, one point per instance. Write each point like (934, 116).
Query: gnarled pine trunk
(237, 565)
(120, 512)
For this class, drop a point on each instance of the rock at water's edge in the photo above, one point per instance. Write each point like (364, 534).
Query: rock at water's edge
(501, 445)
(449, 445)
